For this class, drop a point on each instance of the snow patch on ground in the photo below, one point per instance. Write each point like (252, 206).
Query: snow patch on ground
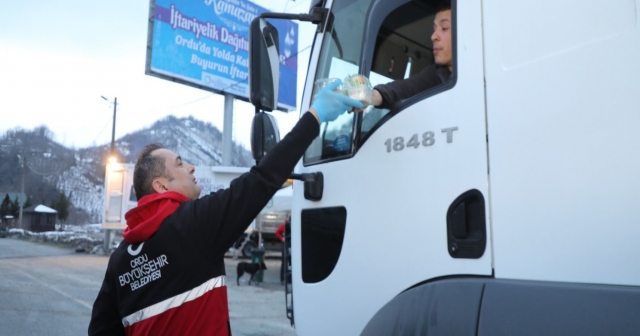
(84, 238)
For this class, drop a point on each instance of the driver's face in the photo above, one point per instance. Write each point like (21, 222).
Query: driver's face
(441, 39)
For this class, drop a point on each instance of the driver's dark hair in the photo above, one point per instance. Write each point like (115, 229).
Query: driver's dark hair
(443, 5)
(147, 168)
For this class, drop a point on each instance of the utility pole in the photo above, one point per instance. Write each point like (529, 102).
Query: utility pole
(21, 190)
(112, 160)
(113, 129)
(227, 131)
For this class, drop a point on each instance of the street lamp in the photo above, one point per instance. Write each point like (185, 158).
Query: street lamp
(112, 155)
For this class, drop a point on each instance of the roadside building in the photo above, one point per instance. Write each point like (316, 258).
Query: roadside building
(7, 221)
(39, 218)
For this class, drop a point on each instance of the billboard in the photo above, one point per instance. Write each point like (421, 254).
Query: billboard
(205, 44)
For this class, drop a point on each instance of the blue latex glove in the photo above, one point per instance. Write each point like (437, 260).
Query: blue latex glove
(329, 105)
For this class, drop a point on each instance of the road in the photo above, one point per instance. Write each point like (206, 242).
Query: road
(49, 290)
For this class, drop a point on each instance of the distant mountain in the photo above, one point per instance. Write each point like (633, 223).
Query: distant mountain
(53, 168)
(199, 143)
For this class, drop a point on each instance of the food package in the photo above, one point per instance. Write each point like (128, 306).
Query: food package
(322, 82)
(359, 88)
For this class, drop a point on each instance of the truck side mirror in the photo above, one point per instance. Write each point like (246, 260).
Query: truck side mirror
(264, 65)
(264, 134)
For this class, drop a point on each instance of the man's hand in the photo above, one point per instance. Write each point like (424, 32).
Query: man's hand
(328, 104)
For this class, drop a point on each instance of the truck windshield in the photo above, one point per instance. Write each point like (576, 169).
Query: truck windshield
(339, 57)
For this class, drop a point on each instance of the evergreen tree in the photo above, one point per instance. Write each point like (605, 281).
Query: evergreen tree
(62, 206)
(28, 202)
(5, 206)
(14, 208)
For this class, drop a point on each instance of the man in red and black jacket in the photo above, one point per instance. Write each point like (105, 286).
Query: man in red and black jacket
(280, 234)
(168, 276)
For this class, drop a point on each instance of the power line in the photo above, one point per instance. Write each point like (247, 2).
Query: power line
(294, 6)
(103, 128)
(285, 6)
(105, 125)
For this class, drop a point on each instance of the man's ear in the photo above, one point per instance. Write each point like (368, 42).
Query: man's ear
(158, 186)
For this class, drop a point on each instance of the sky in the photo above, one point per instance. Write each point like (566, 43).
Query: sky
(58, 57)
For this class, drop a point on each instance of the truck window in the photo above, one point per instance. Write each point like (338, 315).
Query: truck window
(340, 56)
(402, 48)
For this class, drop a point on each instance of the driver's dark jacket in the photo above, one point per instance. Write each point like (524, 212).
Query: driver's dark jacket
(174, 283)
(398, 90)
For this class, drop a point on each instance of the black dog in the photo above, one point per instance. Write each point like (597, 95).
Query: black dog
(250, 268)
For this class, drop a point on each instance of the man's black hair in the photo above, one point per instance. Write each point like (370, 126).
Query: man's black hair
(147, 168)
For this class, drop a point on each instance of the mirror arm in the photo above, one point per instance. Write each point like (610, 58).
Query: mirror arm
(317, 16)
(313, 184)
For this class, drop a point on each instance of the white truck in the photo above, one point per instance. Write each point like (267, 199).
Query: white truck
(120, 197)
(513, 186)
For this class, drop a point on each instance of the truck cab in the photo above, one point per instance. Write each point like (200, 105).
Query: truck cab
(511, 184)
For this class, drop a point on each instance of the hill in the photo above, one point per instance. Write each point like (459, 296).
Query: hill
(51, 169)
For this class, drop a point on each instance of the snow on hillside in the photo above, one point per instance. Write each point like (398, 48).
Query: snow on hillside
(82, 179)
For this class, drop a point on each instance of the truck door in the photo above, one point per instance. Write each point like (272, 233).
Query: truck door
(406, 190)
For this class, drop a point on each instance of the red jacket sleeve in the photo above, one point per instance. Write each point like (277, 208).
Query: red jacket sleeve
(279, 232)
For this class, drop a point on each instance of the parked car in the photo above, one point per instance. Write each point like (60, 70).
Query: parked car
(4, 231)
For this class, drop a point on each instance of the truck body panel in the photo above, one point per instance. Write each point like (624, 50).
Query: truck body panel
(562, 113)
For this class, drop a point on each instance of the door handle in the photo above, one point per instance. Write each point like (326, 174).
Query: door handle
(466, 226)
